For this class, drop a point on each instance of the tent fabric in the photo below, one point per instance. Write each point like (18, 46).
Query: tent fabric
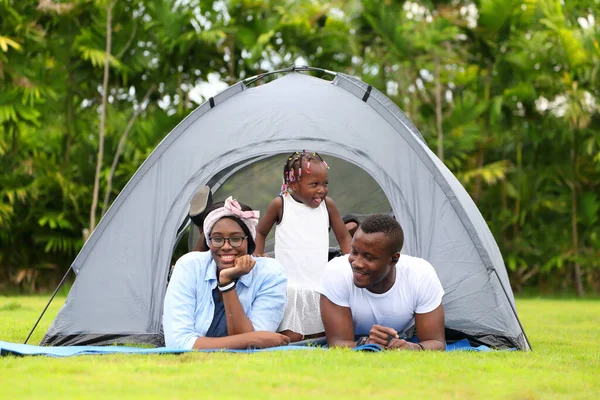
(122, 269)
(17, 349)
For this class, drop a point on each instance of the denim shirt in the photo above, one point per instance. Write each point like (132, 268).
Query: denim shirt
(189, 305)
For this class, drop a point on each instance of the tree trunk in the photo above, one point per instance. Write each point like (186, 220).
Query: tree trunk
(232, 60)
(574, 233)
(479, 159)
(179, 93)
(504, 208)
(438, 110)
(122, 141)
(517, 213)
(102, 118)
(68, 116)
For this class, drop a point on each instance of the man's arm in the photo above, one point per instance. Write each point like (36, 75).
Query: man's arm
(429, 312)
(266, 223)
(430, 330)
(339, 228)
(337, 320)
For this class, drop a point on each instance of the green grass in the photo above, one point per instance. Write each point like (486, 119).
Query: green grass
(565, 364)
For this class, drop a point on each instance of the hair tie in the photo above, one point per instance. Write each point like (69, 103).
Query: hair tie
(231, 208)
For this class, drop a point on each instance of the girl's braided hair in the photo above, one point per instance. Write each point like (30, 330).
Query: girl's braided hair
(292, 169)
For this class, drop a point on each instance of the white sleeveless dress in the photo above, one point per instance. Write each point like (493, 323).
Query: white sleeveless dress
(302, 247)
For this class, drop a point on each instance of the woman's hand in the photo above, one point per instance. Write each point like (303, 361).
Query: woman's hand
(264, 339)
(242, 266)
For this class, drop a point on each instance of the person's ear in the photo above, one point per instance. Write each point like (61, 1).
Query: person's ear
(395, 257)
(294, 186)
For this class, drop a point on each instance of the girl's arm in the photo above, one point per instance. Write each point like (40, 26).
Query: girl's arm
(339, 228)
(266, 223)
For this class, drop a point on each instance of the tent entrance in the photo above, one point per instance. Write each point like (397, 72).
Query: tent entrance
(257, 182)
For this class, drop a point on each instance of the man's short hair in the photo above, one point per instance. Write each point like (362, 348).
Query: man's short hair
(385, 224)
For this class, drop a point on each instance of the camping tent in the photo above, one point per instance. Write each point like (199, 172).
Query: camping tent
(122, 269)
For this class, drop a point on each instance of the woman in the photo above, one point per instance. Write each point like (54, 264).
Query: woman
(224, 298)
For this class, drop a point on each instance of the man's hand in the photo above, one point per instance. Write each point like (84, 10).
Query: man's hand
(388, 339)
(382, 335)
(401, 344)
(264, 339)
(242, 266)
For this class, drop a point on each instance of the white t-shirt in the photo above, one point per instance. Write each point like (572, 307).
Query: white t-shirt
(417, 290)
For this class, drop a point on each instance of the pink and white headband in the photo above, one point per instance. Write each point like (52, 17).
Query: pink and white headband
(231, 208)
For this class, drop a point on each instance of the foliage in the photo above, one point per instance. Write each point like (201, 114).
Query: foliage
(506, 92)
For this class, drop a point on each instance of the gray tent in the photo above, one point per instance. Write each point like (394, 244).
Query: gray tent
(122, 270)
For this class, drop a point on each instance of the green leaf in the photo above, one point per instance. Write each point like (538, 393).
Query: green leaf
(524, 91)
(494, 14)
(590, 207)
(98, 57)
(6, 42)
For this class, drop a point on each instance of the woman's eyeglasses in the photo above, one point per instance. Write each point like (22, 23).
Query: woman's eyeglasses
(234, 241)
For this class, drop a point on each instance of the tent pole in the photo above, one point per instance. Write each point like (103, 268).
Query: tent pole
(292, 68)
(47, 305)
(513, 309)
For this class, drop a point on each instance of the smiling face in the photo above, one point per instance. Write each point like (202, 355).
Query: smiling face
(312, 189)
(225, 256)
(372, 261)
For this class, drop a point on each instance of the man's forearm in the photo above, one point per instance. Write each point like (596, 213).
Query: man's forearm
(433, 345)
(350, 344)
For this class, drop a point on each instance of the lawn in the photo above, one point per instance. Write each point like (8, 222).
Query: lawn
(565, 363)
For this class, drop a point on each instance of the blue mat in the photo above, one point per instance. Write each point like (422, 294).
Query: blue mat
(461, 345)
(7, 348)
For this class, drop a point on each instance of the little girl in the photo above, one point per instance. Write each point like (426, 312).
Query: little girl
(303, 214)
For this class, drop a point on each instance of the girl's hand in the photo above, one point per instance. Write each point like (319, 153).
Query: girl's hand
(242, 266)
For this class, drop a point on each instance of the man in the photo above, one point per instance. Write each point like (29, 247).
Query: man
(376, 293)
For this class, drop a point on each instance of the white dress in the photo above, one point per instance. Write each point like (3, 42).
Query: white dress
(302, 247)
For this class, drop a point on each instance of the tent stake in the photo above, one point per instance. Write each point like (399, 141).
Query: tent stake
(48, 305)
